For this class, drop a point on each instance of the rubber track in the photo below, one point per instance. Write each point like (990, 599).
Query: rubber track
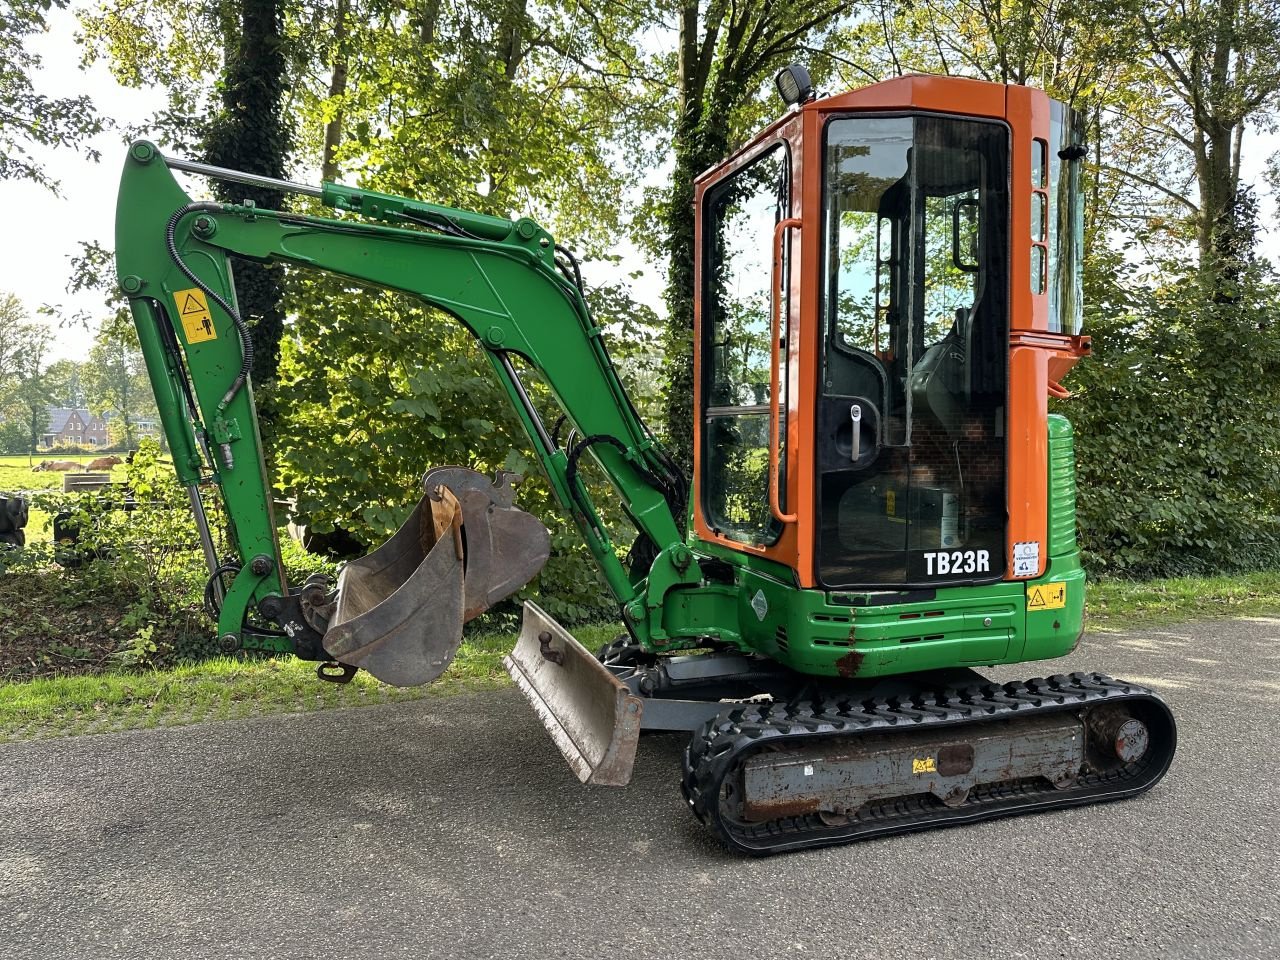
(735, 734)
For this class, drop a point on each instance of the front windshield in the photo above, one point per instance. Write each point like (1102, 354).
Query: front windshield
(911, 423)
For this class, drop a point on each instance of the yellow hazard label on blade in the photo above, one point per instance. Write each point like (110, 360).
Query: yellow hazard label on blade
(924, 765)
(197, 322)
(1047, 596)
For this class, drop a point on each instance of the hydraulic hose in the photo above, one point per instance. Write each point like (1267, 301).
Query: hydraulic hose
(246, 342)
(675, 487)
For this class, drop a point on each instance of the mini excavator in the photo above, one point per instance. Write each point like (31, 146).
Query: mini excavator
(888, 293)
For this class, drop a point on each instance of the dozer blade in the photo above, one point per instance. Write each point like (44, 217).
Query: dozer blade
(400, 610)
(592, 717)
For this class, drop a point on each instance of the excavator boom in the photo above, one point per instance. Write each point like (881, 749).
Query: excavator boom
(399, 611)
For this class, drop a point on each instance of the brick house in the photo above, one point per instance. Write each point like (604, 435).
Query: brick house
(78, 427)
(147, 427)
(74, 427)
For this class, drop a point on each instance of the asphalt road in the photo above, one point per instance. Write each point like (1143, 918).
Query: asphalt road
(451, 828)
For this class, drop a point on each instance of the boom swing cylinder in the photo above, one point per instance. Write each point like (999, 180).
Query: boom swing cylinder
(888, 293)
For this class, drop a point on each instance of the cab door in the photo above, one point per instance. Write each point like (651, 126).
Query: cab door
(745, 340)
(917, 328)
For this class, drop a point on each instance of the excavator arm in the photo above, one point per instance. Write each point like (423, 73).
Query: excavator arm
(499, 279)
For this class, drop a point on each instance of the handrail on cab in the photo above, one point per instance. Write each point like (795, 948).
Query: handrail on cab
(775, 335)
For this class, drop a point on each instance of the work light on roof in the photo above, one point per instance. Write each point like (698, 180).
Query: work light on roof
(794, 84)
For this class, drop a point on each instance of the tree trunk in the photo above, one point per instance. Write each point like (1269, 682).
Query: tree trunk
(429, 21)
(510, 39)
(509, 52)
(1218, 187)
(691, 157)
(250, 134)
(337, 90)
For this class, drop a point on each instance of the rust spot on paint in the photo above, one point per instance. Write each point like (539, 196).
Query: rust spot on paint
(849, 665)
(955, 759)
(762, 811)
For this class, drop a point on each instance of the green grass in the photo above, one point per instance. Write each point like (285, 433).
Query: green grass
(217, 689)
(16, 475)
(16, 472)
(1130, 604)
(230, 688)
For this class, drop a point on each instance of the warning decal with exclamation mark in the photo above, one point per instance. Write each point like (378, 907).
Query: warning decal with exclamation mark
(197, 322)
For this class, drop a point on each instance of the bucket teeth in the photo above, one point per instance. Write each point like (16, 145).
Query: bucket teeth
(400, 610)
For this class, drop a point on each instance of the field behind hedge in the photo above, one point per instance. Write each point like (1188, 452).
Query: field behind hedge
(16, 476)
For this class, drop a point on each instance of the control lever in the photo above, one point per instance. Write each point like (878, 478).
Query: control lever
(855, 447)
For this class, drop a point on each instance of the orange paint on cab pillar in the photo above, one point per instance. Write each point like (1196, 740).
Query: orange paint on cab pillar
(1028, 446)
(1028, 119)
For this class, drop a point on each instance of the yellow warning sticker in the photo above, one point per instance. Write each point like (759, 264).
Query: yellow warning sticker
(1046, 596)
(890, 503)
(197, 322)
(924, 765)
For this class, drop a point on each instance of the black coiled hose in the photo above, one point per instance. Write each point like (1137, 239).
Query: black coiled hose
(675, 486)
(246, 343)
(215, 583)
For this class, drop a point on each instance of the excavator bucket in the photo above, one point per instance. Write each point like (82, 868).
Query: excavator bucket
(400, 610)
(591, 716)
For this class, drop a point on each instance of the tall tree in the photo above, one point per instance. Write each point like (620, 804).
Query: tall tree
(65, 381)
(230, 108)
(24, 388)
(1216, 60)
(115, 378)
(251, 133)
(15, 332)
(32, 394)
(727, 49)
(335, 106)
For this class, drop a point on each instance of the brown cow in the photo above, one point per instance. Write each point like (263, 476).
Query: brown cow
(60, 465)
(104, 463)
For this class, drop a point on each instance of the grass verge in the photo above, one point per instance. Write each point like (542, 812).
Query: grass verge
(1133, 604)
(16, 476)
(230, 688)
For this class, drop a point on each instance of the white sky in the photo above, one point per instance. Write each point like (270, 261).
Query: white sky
(41, 230)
